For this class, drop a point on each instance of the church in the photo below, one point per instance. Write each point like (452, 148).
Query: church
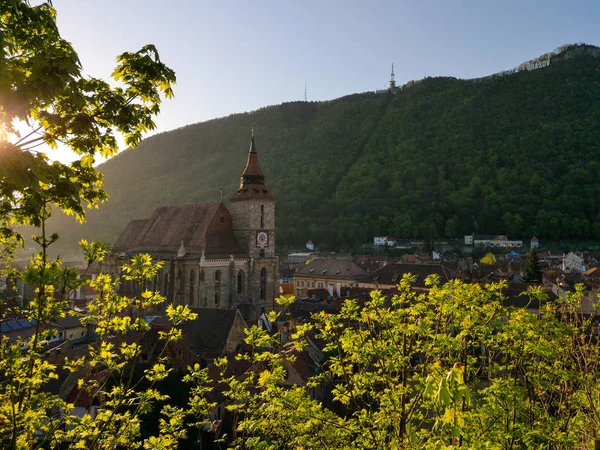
(213, 256)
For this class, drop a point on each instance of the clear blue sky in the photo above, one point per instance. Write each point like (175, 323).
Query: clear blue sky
(239, 56)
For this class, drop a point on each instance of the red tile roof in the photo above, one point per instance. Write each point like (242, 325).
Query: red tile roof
(198, 225)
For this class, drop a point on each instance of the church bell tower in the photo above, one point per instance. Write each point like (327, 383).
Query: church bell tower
(253, 210)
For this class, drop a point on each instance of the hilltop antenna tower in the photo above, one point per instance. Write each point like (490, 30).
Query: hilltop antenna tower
(305, 92)
(392, 80)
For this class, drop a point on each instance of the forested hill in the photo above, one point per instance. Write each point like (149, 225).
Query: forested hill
(516, 153)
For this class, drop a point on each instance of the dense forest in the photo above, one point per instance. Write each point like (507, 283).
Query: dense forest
(516, 153)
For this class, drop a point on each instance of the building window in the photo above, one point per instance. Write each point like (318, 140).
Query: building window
(240, 282)
(222, 219)
(262, 216)
(192, 287)
(261, 253)
(166, 289)
(217, 288)
(181, 279)
(263, 284)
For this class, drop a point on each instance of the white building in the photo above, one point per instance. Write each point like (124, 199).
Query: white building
(492, 241)
(573, 262)
(534, 242)
(383, 241)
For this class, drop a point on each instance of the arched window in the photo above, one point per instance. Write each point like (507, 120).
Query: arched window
(262, 216)
(240, 282)
(261, 253)
(192, 287)
(217, 288)
(180, 280)
(263, 284)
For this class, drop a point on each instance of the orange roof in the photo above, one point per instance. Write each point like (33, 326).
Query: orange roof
(286, 289)
(252, 181)
(252, 167)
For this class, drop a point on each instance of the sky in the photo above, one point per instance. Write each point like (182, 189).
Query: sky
(237, 56)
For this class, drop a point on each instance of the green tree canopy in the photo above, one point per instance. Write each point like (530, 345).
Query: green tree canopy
(44, 90)
(532, 271)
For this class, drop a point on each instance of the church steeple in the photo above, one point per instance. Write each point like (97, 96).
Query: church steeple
(252, 180)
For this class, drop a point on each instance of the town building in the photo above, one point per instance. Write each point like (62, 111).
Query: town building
(572, 262)
(335, 276)
(492, 241)
(213, 256)
(389, 276)
(382, 241)
(298, 257)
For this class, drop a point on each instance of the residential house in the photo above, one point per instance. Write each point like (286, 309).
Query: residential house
(492, 241)
(389, 276)
(384, 241)
(573, 262)
(336, 276)
(298, 257)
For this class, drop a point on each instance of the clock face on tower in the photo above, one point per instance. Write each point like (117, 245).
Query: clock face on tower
(262, 239)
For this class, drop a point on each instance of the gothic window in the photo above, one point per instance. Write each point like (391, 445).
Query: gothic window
(262, 216)
(180, 278)
(192, 286)
(217, 288)
(240, 282)
(263, 284)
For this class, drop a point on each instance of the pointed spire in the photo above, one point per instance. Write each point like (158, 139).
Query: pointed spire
(181, 252)
(252, 143)
(252, 177)
(252, 174)
(392, 79)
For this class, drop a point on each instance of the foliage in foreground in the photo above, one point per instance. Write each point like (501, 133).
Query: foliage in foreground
(454, 369)
(451, 369)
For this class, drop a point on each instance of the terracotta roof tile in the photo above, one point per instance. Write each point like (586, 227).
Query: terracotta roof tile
(198, 225)
(332, 268)
(392, 273)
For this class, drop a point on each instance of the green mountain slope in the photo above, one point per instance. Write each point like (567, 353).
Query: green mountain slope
(516, 154)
